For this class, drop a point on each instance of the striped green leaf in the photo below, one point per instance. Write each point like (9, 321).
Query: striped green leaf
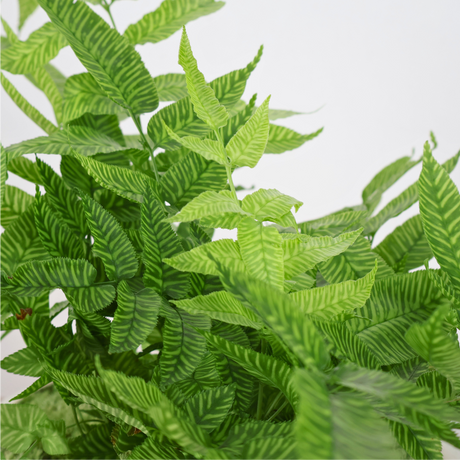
(403, 201)
(105, 125)
(43, 80)
(440, 211)
(92, 298)
(207, 204)
(247, 146)
(394, 305)
(54, 233)
(354, 263)
(203, 98)
(26, 8)
(41, 46)
(382, 181)
(197, 260)
(124, 182)
(160, 243)
(85, 141)
(190, 177)
(153, 448)
(25, 168)
(269, 204)
(207, 148)
(267, 369)
(75, 176)
(111, 243)
(14, 203)
(209, 408)
(342, 425)
(430, 341)
(416, 442)
(171, 87)
(328, 301)
(20, 243)
(271, 447)
(183, 347)
(94, 444)
(333, 224)
(37, 385)
(282, 139)
(409, 239)
(284, 317)
(23, 362)
(167, 19)
(109, 58)
(221, 306)
(64, 201)
(135, 317)
(303, 253)
(26, 107)
(442, 281)
(276, 114)
(261, 251)
(439, 385)
(82, 94)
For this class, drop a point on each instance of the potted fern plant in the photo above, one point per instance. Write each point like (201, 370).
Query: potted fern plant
(296, 340)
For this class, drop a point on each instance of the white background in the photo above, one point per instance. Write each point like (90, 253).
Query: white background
(388, 72)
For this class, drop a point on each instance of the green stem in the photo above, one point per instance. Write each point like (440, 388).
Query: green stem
(75, 416)
(106, 7)
(23, 456)
(273, 404)
(261, 387)
(146, 145)
(278, 411)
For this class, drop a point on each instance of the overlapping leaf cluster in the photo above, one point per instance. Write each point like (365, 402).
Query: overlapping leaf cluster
(294, 341)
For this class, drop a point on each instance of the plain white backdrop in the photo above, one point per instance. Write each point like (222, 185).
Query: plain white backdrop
(388, 72)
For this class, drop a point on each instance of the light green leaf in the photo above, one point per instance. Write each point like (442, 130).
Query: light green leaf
(209, 149)
(168, 18)
(333, 224)
(197, 260)
(221, 306)
(203, 98)
(276, 114)
(43, 80)
(111, 243)
(41, 46)
(439, 385)
(160, 243)
(25, 168)
(135, 317)
(430, 341)
(94, 444)
(171, 87)
(14, 203)
(152, 448)
(247, 146)
(92, 298)
(26, 107)
(190, 177)
(26, 8)
(328, 301)
(382, 181)
(261, 251)
(23, 362)
(282, 139)
(110, 59)
(207, 204)
(269, 448)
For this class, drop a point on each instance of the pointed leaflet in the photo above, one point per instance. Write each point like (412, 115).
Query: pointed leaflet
(26, 8)
(114, 64)
(333, 224)
(171, 87)
(168, 18)
(14, 203)
(31, 389)
(110, 242)
(439, 385)
(440, 211)
(160, 242)
(199, 259)
(430, 341)
(190, 177)
(28, 109)
(106, 126)
(281, 139)
(403, 201)
(327, 301)
(135, 317)
(209, 408)
(247, 146)
(261, 251)
(302, 253)
(442, 281)
(41, 46)
(408, 238)
(183, 346)
(270, 447)
(54, 234)
(382, 181)
(222, 306)
(152, 447)
(23, 362)
(95, 443)
(281, 314)
(342, 425)
(207, 204)
(204, 101)
(354, 263)
(208, 148)
(25, 168)
(91, 298)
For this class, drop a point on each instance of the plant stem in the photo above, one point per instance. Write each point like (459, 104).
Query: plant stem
(75, 416)
(146, 145)
(273, 404)
(261, 387)
(106, 7)
(278, 411)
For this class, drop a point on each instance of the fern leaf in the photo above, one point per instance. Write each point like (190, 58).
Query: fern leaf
(282, 139)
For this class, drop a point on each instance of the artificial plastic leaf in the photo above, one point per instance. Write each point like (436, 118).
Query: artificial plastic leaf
(333, 224)
(23, 362)
(14, 203)
(282, 139)
(25, 168)
(171, 87)
(91, 298)
(26, 8)
(43, 79)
